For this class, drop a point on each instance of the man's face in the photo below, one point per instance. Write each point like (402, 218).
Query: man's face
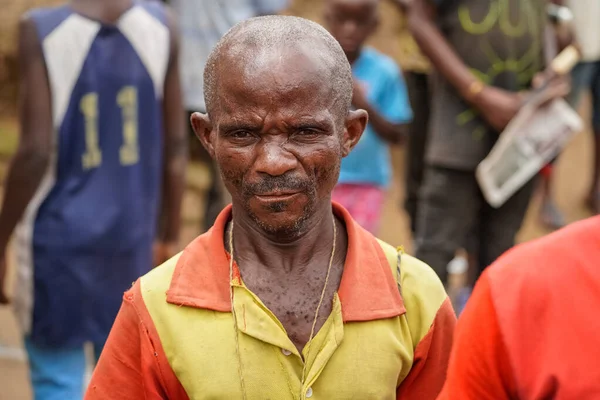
(276, 137)
(351, 22)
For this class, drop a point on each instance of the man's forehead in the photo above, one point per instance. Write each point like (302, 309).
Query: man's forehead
(275, 74)
(297, 59)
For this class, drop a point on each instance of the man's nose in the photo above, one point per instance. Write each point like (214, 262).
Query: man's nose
(273, 159)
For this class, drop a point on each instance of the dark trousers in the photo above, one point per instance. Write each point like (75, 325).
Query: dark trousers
(452, 212)
(420, 97)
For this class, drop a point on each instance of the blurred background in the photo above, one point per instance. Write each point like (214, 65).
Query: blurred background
(572, 172)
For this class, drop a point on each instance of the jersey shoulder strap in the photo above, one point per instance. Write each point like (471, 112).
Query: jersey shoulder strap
(394, 257)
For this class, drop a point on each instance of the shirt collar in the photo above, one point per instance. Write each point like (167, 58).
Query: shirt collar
(368, 291)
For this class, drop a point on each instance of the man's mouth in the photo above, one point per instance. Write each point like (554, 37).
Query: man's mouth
(278, 195)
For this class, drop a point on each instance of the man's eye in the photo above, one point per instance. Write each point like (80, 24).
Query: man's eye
(240, 134)
(307, 132)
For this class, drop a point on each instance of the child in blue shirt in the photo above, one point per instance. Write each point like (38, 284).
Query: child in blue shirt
(379, 89)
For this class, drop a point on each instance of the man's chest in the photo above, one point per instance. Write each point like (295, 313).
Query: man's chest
(355, 360)
(301, 306)
(296, 310)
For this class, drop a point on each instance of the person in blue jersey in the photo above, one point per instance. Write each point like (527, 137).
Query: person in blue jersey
(379, 88)
(101, 161)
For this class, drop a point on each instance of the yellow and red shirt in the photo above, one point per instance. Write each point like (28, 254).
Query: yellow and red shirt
(531, 329)
(174, 336)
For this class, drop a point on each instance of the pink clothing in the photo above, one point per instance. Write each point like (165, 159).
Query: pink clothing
(364, 202)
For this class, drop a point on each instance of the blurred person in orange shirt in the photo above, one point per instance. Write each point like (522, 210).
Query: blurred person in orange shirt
(530, 330)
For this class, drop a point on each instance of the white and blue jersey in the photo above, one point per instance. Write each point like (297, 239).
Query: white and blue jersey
(88, 232)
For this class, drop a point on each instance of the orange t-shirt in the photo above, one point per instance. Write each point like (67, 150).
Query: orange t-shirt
(532, 328)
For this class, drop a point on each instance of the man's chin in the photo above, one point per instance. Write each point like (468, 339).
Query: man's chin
(280, 221)
(284, 218)
(282, 225)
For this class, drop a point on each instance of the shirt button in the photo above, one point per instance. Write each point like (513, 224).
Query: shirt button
(286, 352)
(309, 393)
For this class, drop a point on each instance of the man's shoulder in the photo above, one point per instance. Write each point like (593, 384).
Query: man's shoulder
(159, 278)
(574, 244)
(46, 19)
(423, 295)
(527, 279)
(156, 9)
(422, 290)
(423, 274)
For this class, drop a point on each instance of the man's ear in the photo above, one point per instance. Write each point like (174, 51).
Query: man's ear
(203, 129)
(356, 121)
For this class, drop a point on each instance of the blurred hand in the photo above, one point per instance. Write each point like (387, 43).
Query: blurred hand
(163, 251)
(498, 107)
(359, 97)
(554, 86)
(3, 297)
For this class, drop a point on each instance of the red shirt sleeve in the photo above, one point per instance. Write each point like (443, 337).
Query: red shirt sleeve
(428, 373)
(133, 365)
(479, 365)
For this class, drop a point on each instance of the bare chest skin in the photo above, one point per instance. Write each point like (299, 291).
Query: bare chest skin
(294, 298)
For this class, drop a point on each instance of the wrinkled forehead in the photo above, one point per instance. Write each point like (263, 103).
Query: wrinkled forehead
(286, 79)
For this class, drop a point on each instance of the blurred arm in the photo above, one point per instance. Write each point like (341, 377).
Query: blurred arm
(35, 116)
(388, 131)
(562, 32)
(175, 150)
(434, 45)
(392, 113)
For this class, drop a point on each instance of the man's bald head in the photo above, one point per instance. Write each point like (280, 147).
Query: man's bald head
(256, 39)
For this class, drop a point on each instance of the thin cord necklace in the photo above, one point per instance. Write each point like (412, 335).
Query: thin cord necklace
(312, 329)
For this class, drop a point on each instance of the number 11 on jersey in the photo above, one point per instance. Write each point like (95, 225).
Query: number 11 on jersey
(89, 108)
(127, 100)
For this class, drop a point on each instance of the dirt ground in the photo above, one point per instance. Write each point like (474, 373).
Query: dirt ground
(572, 180)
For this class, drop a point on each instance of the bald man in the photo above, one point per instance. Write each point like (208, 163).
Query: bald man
(286, 297)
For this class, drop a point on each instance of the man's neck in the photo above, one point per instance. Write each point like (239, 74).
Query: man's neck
(253, 248)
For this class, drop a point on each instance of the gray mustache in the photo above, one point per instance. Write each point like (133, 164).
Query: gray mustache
(277, 183)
